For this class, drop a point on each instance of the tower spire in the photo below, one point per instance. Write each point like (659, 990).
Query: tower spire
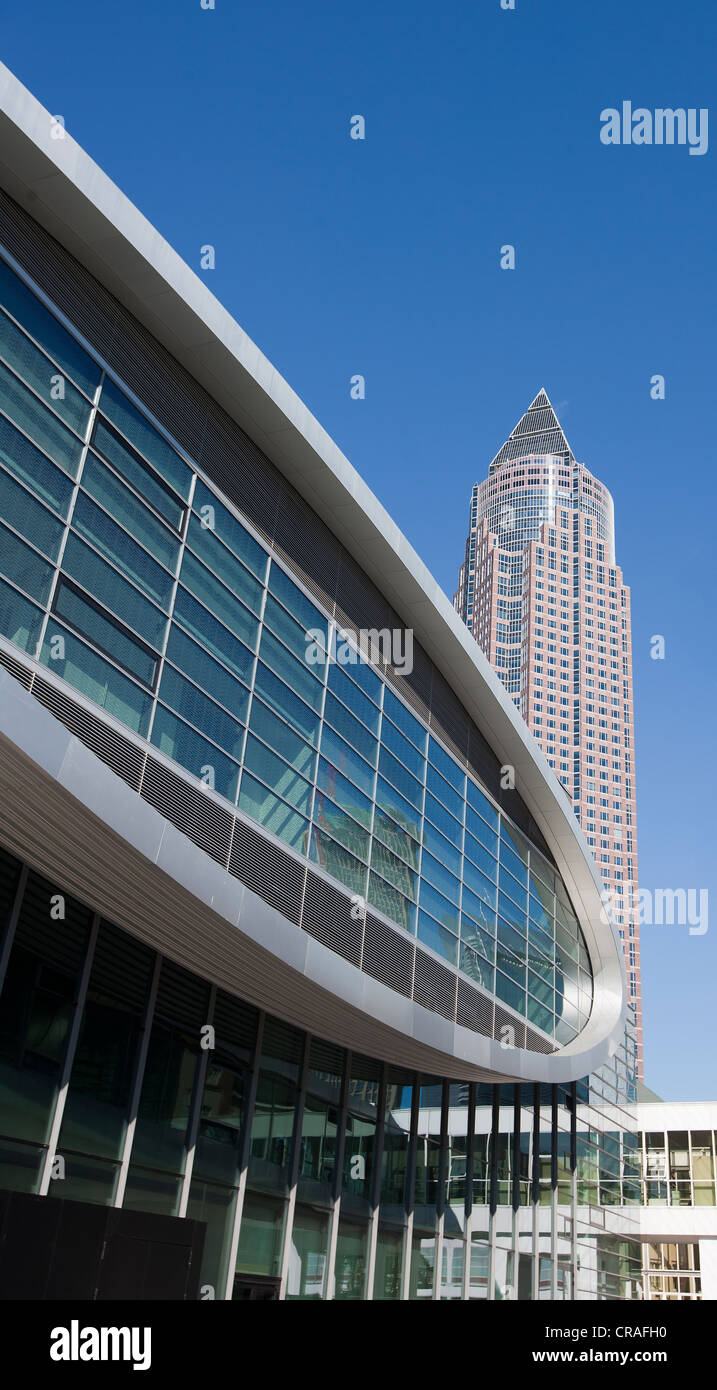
(538, 431)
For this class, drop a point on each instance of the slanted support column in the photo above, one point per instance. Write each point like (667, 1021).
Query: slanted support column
(535, 1195)
(294, 1167)
(244, 1158)
(56, 1125)
(441, 1194)
(515, 1192)
(574, 1187)
(376, 1184)
(493, 1189)
(554, 1195)
(470, 1167)
(337, 1183)
(411, 1188)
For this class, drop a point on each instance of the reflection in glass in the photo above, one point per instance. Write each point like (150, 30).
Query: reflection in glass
(351, 1255)
(262, 1230)
(306, 1271)
(389, 1264)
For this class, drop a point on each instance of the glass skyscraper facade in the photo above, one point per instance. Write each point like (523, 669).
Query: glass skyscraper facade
(542, 593)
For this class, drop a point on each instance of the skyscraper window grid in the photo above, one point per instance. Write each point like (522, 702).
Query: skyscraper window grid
(541, 554)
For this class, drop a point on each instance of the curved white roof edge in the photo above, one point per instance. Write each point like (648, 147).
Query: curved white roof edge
(65, 191)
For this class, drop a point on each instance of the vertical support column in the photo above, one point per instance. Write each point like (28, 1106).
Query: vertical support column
(441, 1194)
(493, 1190)
(172, 601)
(411, 1189)
(195, 1113)
(70, 514)
(554, 1194)
(244, 1158)
(12, 924)
(337, 1182)
(535, 1195)
(137, 1088)
(470, 1167)
(69, 1059)
(574, 1188)
(294, 1166)
(515, 1191)
(376, 1184)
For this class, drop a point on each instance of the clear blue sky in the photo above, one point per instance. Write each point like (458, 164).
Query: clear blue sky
(380, 257)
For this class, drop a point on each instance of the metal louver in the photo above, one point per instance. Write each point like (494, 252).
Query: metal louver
(268, 870)
(110, 747)
(206, 823)
(327, 917)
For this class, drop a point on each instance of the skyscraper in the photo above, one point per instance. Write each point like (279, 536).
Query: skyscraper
(543, 595)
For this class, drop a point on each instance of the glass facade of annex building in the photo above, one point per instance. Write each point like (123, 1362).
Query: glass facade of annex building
(679, 1169)
(319, 1173)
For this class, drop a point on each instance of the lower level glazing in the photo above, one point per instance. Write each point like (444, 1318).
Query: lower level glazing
(127, 1081)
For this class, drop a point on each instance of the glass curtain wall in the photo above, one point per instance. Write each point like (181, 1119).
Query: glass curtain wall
(679, 1167)
(124, 574)
(321, 1173)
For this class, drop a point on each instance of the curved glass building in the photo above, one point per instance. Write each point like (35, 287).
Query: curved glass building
(304, 966)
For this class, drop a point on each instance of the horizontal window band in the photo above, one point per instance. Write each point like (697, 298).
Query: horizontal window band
(440, 761)
(105, 440)
(42, 400)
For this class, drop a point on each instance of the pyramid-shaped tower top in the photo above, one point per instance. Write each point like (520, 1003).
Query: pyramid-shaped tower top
(537, 432)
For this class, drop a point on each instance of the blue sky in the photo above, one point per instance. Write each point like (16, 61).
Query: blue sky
(381, 257)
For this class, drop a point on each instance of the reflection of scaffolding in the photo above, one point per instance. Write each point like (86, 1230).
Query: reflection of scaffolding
(535, 1203)
(403, 1190)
